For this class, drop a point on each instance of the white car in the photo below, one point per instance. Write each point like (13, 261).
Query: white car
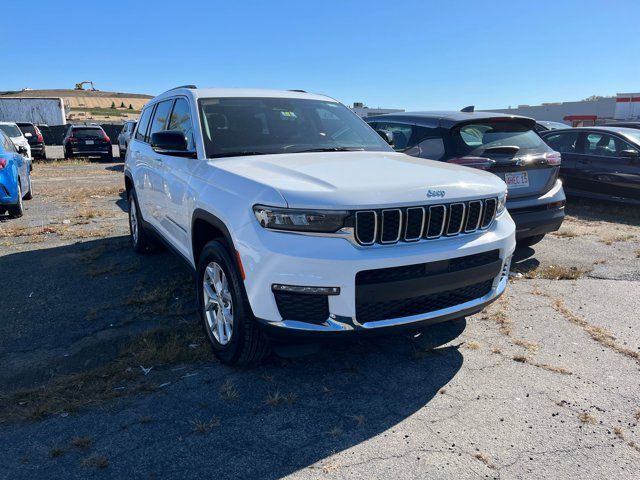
(298, 218)
(15, 134)
(125, 136)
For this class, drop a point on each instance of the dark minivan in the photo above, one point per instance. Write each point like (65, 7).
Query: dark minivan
(506, 145)
(87, 141)
(599, 162)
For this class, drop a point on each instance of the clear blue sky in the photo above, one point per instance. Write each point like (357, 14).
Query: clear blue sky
(408, 54)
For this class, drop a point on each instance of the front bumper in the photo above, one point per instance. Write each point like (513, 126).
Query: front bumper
(292, 259)
(538, 215)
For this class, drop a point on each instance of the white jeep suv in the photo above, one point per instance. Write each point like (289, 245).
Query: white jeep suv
(297, 217)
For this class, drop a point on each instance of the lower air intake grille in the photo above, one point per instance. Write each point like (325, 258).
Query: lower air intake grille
(372, 311)
(302, 307)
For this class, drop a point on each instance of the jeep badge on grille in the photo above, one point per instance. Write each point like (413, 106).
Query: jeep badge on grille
(436, 193)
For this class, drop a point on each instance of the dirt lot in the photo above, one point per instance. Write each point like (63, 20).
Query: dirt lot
(107, 374)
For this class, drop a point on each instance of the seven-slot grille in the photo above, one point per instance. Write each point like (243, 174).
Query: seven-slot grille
(411, 224)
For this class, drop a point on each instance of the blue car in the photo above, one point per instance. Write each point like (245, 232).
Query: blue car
(15, 177)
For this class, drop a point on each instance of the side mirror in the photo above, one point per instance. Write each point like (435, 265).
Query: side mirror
(171, 142)
(386, 135)
(629, 153)
(22, 150)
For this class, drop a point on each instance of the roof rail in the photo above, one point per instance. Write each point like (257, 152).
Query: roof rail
(297, 90)
(182, 86)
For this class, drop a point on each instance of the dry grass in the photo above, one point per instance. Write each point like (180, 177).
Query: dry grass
(57, 452)
(484, 458)
(565, 233)
(619, 433)
(638, 253)
(115, 268)
(531, 347)
(335, 431)
(599, 334)
(587, 418)
(472, 345)
(83, 443)
(97, 461)
(201, 426)
(637, 416)
(544, 366)
(229, 391)
(610, 238)
(277, 398)
(120, 378)
(556, 272)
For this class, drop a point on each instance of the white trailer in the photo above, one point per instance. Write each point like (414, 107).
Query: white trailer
(47, 111)
(627, 106)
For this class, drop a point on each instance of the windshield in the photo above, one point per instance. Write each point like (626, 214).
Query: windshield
(253, 126)
(11, 130)
(478, 137)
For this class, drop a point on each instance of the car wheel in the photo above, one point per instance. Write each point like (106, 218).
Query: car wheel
(123, 153)
(529, 241)
(43, 155)
(140, 240)
(225, 313)
(16, 211)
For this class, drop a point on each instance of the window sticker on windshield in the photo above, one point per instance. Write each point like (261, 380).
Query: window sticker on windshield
(287, 115)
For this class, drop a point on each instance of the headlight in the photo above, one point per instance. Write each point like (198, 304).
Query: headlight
(502, 203)
(322, 221)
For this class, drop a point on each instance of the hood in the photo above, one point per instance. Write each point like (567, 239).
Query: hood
(356, 180)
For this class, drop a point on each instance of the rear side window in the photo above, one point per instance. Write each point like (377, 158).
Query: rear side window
(480, 136)
(604, 145)
(562, 142)
(11, 130)
(87, 133)
(143, 123)
(181, 120)
(161, 117)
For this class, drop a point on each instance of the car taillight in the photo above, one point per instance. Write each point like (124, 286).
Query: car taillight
(553, 158)
(481, 163)
(106, 138)
(39, 135)
(72, 139)
(3, 163)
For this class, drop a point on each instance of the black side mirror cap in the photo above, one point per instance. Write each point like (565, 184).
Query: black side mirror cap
(171, 142)
(386, 135)
(22, 150)
(629, 153)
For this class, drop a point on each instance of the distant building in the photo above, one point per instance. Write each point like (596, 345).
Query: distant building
(624, 106)
(91, 105)
(361, 110)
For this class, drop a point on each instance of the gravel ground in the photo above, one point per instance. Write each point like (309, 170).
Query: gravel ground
(543, 384)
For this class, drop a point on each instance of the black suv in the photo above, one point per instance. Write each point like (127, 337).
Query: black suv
(35, 139)
(506, 145)
(87, 141)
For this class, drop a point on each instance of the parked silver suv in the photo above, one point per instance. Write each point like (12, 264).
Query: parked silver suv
(505, 145)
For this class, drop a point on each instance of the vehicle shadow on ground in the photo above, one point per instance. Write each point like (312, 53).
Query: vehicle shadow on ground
(70, 303)
(204, 419)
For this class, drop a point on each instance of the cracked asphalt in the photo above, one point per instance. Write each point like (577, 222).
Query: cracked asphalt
(545, 383)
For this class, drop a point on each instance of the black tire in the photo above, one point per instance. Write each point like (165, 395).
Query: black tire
(247, 344)
(141, 241)
(16, 211)
(123, 153)
(29, 194)
(529, 241)
(107, 157)
(43, 155)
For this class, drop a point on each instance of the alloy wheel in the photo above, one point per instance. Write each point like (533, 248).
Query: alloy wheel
(218, 303)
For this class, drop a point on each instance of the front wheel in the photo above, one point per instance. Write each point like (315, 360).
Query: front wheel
(224, 310)
(140, 240)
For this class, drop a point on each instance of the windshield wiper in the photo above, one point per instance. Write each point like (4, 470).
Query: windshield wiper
(331, 149)
(238, 154)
